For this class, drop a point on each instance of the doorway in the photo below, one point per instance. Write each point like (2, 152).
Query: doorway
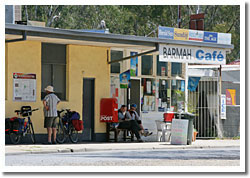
(88, 109)
(135, 94)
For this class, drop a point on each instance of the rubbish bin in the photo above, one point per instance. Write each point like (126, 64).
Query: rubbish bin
(190, 117)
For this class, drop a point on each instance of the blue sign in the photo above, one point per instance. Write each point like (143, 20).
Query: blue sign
(182, 85)
(133, 64)
(166, 32)
(193, 83)
(124, 79)
(211, 37)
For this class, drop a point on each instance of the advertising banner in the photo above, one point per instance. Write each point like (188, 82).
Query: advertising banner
(230, 96)
(193, 83)
(224, 38)
(166, 32)
(24, 87)
(133, 65)
(124, 79)
(223, 107)
(196, 35)
(179, 131)
(210, 37)
(181, 34)
(190, 54)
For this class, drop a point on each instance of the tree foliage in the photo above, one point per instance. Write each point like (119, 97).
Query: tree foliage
(138, 20)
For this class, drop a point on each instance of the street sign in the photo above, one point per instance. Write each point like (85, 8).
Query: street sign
(179, 131)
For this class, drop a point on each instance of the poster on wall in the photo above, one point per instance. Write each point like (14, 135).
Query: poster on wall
(133, 64)
(223, 107)
(24, 87)
(124, 79)
(230, 97)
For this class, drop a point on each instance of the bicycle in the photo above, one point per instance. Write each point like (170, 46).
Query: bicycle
(66, 128)
(25, 127)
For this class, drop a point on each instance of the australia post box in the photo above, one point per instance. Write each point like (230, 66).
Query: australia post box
(109, 110)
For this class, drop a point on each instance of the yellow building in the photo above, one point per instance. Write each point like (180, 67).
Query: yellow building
(78, 65)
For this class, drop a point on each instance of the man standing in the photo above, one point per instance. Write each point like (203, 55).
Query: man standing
(125, 122)
(50, 103)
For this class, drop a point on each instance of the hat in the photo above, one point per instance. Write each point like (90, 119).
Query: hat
(49, 88)
(133, 105)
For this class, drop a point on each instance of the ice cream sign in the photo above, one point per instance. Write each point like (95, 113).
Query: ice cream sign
(189, 54)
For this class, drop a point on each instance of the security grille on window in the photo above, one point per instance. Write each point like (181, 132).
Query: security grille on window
(54, 69)
(115, 55)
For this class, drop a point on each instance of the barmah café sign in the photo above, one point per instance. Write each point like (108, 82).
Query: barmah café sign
(188, 54)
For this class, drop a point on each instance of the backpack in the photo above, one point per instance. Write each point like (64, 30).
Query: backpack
(78, 124)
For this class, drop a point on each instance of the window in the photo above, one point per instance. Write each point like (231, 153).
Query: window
(148, 88)
(162, 68)
(115, 55)
(54, 69)
(164, 93)
(176, 69)
(178, 94)
(147, 65)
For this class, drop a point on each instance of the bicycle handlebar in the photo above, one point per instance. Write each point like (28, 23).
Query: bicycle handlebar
(19, 111)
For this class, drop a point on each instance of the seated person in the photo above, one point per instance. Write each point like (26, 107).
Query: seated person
(125, 122)
(135, 116)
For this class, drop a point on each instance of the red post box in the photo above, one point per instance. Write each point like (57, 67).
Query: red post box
(109, 110)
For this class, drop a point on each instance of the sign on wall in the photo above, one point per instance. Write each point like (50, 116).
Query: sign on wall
(24, 87)
(230, 96)
(196, 35)
(190, 54)
(193, 35)
(133, 64)
(180, 34)
(223, 107)
(166, 32)
(210, 37)
(124, 79)
(179, 131)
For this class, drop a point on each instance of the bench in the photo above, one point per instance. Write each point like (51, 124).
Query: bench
(116, 133)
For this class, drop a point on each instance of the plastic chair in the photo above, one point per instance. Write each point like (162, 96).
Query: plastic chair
(163, 129)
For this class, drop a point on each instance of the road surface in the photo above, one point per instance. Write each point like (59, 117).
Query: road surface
(154, 157)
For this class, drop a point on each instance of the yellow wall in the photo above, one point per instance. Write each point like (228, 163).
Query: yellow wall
(82, 61)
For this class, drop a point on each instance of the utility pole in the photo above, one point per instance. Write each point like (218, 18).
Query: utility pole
(179, 16)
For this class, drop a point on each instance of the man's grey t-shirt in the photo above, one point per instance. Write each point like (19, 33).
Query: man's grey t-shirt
(51, 101)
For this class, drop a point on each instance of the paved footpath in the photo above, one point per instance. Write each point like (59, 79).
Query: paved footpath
(84, 147)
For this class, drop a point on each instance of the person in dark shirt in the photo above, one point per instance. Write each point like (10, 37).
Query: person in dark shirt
(126, 122)
(136, 117)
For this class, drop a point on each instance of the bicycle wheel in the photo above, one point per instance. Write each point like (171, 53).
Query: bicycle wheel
(73, 134)
(15, 138)
(31, 132)
(60, 134)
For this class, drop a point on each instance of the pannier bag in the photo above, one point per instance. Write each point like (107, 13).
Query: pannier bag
(75, 116)
(17, 124)
(7, 125)
(78, 124)
(71, 116)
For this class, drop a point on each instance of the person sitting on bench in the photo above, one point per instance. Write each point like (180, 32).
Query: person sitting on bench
(135, 116)
(125, 122)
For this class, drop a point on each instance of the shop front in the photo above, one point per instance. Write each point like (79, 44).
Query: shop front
(85, 67)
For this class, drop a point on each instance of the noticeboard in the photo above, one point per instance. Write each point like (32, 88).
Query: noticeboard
(179, 131)
(24, 87)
